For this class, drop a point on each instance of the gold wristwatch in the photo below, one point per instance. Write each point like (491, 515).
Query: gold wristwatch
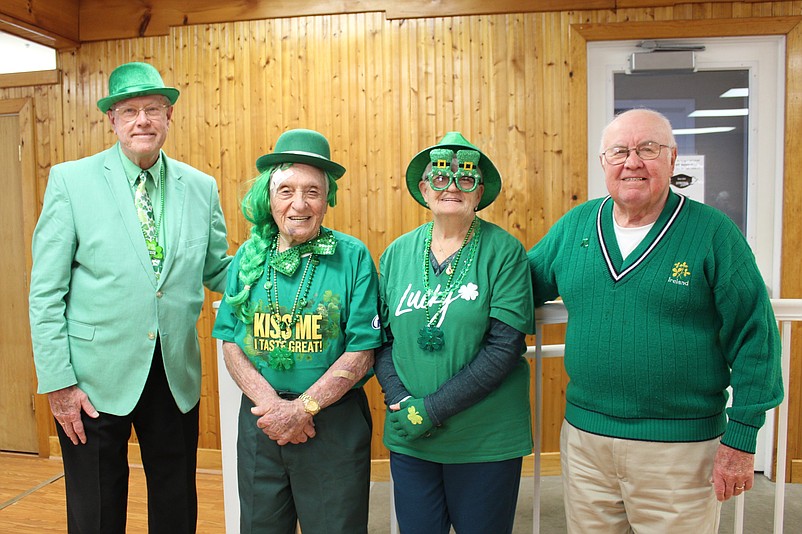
(310, 405)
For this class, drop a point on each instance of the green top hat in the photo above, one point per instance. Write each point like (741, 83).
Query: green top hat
(302, 146)
(491, 179)
(135, 79)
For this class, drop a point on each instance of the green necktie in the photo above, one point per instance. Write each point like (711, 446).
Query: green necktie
(144, 210)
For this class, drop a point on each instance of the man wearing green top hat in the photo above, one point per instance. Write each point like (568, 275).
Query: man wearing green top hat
(299, 324)
(125, 243)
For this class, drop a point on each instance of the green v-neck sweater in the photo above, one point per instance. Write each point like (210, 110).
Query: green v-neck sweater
(653, 341)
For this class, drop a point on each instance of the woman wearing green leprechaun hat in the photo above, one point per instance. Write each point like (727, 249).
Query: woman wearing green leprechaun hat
(299, 323)
(456, 305)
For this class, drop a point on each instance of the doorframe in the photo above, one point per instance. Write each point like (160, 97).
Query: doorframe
(22, 108)
(791, 27)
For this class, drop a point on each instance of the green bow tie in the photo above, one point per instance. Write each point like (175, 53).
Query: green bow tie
(288, 261)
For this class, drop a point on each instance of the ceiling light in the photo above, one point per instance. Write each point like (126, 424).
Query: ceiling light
(741, 112)
(735, 92)
(696, 131)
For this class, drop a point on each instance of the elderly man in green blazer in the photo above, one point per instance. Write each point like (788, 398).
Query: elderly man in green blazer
(125, 243)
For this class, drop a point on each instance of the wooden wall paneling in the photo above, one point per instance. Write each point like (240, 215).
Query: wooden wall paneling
(497, 139)
(516, 202)
(337, 125)
(721, 11)
(534, 172)
(195, 135)
(384, 174)
(376, 167)
(358, 140)
(228, 81)
(260, 110)
(550, 122)
(405, 86)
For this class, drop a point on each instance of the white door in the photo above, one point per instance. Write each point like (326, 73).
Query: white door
(729, 142)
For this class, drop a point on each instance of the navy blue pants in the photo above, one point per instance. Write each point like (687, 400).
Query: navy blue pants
(476, 498)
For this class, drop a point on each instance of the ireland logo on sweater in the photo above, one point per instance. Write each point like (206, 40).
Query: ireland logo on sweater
(679, 272)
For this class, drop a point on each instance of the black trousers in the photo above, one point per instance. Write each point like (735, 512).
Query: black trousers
(96, 473)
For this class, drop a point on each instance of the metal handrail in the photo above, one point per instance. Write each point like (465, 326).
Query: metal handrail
(786, 312)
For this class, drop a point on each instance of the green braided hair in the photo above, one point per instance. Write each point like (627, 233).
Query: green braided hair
(256, 209)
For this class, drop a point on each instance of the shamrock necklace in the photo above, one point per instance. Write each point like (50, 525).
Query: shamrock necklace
(281, 358)
(430, 337)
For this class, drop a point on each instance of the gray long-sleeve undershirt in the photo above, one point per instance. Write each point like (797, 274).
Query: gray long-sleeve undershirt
(491, 365)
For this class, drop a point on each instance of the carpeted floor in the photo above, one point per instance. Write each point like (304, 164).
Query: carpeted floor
(758, 519)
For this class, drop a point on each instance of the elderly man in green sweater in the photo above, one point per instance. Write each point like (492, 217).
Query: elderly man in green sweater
(666, 309)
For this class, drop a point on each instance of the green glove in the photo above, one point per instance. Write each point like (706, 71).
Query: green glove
(411, 421)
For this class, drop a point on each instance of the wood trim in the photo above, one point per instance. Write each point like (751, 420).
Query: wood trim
(134, 19)
(410, 9)
(791, 268)
(210, 460)
(796, 472)
(24, 79)
(58, 18)
(625, 4)
(36, 33)
(674, 29)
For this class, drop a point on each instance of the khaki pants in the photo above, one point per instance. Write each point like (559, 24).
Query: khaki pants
(614, 486)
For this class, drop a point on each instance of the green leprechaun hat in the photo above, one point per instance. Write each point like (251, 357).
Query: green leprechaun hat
(491, 179)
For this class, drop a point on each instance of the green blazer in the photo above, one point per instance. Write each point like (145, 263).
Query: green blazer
(95, 305)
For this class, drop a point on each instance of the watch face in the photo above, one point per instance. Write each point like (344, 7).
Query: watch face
(310, 404)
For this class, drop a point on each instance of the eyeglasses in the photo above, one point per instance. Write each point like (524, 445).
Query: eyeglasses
(130, 114)
(616, 155)
(466, 184)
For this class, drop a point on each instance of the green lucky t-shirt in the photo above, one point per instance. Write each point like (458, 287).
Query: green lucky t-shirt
(339, 315)
(497, 284)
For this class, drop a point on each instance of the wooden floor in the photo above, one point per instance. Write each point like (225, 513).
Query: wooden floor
(32, 498)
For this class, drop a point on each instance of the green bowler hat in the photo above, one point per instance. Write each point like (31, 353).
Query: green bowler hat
(135, 79)
(302, 146)
(491, 178)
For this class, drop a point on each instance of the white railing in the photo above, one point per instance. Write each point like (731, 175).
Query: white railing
(786, 311)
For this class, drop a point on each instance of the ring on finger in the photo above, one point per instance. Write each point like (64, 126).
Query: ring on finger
(741, 487)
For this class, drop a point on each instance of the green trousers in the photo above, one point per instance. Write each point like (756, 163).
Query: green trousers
(323, 483)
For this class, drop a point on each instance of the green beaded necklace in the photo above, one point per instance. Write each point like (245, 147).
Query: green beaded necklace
(281, 358)
(430, 337)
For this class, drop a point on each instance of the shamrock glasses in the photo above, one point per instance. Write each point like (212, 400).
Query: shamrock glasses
(466, 178)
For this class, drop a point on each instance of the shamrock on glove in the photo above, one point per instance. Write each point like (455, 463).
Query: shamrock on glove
(411, 421)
